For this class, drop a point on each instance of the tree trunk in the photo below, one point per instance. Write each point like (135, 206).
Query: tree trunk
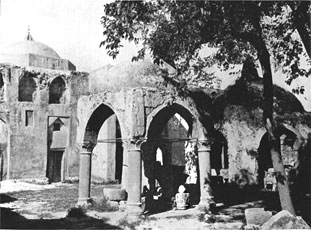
(274, 143)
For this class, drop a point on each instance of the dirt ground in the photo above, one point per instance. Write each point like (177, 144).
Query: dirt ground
(30, 206)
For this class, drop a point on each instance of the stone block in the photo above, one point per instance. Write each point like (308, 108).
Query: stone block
(251, 227)
(256, 216)
(113, 204)
(223, 218)
(114, 194)
(285, 220)
(122, 206)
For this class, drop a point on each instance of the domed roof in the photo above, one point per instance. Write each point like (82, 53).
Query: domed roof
(143, 73)
(29, 46)
(249, 95)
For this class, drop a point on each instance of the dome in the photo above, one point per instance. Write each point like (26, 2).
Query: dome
(29, 46)
(143, 73)
(249, 95)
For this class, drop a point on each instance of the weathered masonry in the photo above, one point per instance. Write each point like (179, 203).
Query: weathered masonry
(38, 113)
(137, 118)
(121, 125)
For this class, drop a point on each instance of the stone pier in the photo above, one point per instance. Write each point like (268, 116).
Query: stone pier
(85, 177)
(204, 150)
(134, 178)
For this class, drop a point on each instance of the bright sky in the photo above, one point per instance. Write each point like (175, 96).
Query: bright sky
(73, 29)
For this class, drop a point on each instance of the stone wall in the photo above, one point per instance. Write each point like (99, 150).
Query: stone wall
(37, 61)
(243, 130)
(142, 113)
(28, 121)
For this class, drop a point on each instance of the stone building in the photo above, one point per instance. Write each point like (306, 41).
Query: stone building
(39, 94)
(120, 124)
(139, 113)
(225, 125)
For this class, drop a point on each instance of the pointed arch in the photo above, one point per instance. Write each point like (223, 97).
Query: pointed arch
(57, 91)
(161, 118)
(169, 128)
(104, 131)
(287, 139)
(27, 88)
(219, 152)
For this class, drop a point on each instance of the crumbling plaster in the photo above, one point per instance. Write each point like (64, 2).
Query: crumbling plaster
(135, 109)
(28, 144)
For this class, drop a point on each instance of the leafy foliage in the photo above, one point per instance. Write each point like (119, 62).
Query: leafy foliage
(286, 45)
(176, 32)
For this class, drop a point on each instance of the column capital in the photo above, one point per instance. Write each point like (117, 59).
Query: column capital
(134, 144)
(86, 146)
(204, 144)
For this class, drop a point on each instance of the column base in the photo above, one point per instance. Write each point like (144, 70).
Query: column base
(134, 208)
(205, 205)
(84, 202)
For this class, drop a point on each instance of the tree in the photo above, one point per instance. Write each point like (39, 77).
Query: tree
(175, 31)
(288, 34)
(301, 19)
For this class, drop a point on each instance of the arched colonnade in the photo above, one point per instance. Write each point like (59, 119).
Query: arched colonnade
(142, 114)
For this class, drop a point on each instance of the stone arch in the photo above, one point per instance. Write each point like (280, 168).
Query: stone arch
(287, 138)
(57, 91)
(103, 131)
(164, 111)
(27, 88)
(157, 124)
(219, 152)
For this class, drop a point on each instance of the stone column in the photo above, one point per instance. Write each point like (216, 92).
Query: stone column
(8, 149)
(134, 178)
(85, 177)
(204, 150)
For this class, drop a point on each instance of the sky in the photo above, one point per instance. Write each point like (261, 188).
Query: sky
(73, 29)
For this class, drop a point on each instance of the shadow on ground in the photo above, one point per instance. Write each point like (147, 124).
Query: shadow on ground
(6, 198)
(10, 219)
(253, 197)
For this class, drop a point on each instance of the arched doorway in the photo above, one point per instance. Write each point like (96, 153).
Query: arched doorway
(57, 91)
(287, 139)
(103, 129)
(169, 131)
(26, 88)
(58, 135)
(219, 158)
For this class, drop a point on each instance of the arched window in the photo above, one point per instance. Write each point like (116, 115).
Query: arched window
(57, 91)
(27, 88)
(159, 156)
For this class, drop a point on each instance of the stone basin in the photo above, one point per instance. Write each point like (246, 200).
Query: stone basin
(114, 193)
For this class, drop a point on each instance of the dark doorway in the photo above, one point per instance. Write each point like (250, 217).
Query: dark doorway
(55, 166)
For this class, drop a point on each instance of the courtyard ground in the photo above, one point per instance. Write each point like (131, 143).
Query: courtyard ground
(31, 206)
